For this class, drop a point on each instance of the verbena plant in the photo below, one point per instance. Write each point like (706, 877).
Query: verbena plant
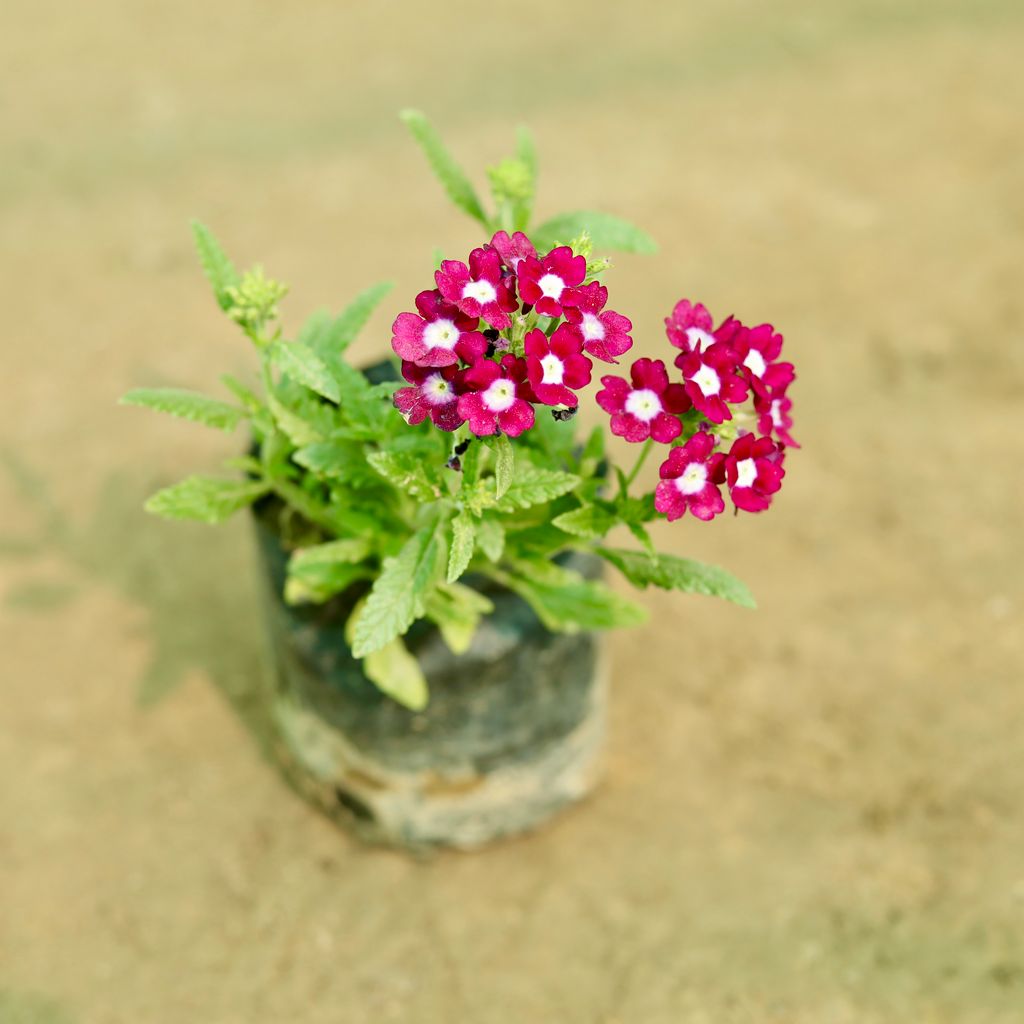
(471, 463)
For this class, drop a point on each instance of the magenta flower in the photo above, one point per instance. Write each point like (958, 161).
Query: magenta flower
(688, 480)
(499, 397)
(774, 413)
(605, 335)
(690, 326)
(648, 407)
(550, 283)
(712, 380)
(512, 250)
(757, 349)
(440, 335)
(556, 364)
(478, 290)
(753, 471)
(434, 393)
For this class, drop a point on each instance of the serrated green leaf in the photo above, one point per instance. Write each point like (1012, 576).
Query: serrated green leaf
(188, 405)
(219, 270)
(319, 572)
(531, 485)
(295, 426)
(394, 671)
(672, 573)
(205, 498)
(504, 465)
(302, 364)
(606, 232)
(490, 537)
(566, 602)
(406, 472)
(526, 151)
(443, 164)
(399, 593)
(456, 610)
(461, 551)
(588, 522)
(344, 461)
(329, 336)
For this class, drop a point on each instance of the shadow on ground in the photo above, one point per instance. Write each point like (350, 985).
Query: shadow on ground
(121, 547)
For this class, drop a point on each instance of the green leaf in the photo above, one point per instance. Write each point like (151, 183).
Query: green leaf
(205, 498)
(319, 572)
(606, 232)
(333, 337)
(336, 460)
(302, 364)
(399, 593)
(530, 486)
(672, 573)
(219, 270)
(588, 522)
(407, 473)
(490, 537)
(461, 552)
(443, 164)
(504, 464)
(456, 610)
(565, 602)
(188, 405)
(294, 425)
(526, 151)
(394, 671)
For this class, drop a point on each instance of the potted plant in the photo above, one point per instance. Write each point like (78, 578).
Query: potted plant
(434, 533)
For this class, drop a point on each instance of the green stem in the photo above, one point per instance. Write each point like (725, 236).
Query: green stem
(641, 458)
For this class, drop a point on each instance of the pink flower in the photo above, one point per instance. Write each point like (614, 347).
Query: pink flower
(435, 393)
(605, 335)
(555, 365)
(775, 417)
(550, 283)
(648, 408)
(512, 250)
(757, 349)
(499, 397)
(690, 326)
(688, 480)
(712, 380)
(478, 290)
(440, 336)
(753, 471)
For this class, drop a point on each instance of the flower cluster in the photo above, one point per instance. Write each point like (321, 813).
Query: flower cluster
(503, 333)
(511, 330)
(721, 370)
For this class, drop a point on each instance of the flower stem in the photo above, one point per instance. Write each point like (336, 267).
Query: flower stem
(641, 458)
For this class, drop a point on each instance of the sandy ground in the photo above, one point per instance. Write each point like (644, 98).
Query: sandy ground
(812, 813)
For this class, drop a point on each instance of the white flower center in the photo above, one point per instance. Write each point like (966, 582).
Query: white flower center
(707, 380)
(693, 479)
(554, 369)
(441, 334)
(746, 473)
(776, 414)
(551, 286)
(698, 339)
(482, 291)
(755, 363)
(437, 391)
(593, 329)
(500, 395)
(644, 404)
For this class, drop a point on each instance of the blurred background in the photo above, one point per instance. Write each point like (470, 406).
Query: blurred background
(812, 812)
